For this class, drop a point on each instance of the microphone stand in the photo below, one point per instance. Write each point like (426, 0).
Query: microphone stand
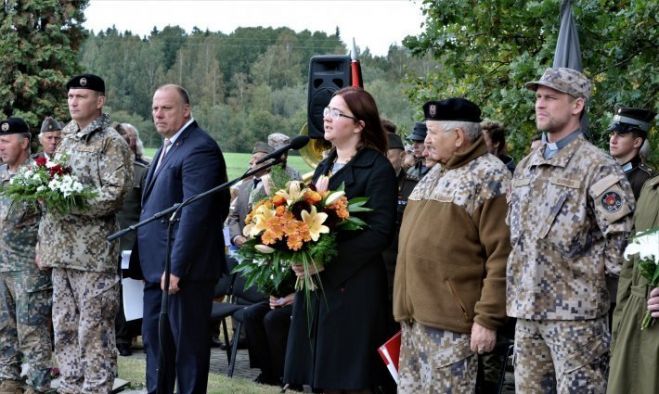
(167, 373)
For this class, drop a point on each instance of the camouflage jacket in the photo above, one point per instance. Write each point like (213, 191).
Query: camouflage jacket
(569, 219)
(19, 223)
(100, 158)
(453, 245)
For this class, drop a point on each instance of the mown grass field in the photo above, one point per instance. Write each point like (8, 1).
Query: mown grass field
(237, 162)
(132, 369)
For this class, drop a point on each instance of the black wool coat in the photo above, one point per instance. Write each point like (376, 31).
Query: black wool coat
(334, 337)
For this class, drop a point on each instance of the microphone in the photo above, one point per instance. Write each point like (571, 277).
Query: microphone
(296, 143)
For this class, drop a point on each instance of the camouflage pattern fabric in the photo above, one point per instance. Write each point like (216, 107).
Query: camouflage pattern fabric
(435, 361)
(564, 80)
(25, 294)
(85, 304)
(561, 356)
(569, 219)
(25, 302)
(100, 158)
(19, 223)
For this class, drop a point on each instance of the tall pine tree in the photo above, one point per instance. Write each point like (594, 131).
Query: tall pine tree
(38, 53)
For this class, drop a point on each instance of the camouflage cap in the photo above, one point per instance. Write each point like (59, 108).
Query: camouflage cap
(14, 126)
(51, 124)
(565, 80)
(278, 140)
(262, 147)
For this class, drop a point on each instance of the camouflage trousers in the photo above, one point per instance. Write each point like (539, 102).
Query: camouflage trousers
(84, 308)
(561, 356)
(435, 361)
(25, 303)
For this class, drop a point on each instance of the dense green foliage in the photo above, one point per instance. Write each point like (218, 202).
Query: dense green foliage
(243, 85)
(488, 49)
(38, 49)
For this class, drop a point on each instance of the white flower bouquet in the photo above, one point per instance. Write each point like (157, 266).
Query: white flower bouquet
(49, 182)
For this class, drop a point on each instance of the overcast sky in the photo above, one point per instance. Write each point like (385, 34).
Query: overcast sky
(375, 24)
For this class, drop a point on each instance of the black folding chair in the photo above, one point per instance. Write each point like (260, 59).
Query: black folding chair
(238, 299)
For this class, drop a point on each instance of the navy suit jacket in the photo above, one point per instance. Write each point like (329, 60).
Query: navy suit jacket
(194, 164)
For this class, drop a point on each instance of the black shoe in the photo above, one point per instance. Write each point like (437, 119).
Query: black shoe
(124, 350)
(264, 379)
(215, 342)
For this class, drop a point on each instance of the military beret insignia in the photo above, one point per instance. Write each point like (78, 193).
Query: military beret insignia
(432, 110)
(5, 127)
(611, 201)
(83, 81)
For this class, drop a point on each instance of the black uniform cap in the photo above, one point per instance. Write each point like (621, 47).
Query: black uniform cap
(627, 120)
(418, 132)
(453, 109)
(87, 81)
(14, 126)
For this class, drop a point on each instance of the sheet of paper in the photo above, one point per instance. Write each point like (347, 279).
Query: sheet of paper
(125, 259)
(133, 298)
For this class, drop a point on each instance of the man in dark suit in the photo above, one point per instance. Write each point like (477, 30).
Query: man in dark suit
(189, 162)
(246, 193)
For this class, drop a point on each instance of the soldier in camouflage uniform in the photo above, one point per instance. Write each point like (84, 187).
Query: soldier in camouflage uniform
(85, 280)
(569, 216)
(25, 290)
(449, 287)
(49, 137)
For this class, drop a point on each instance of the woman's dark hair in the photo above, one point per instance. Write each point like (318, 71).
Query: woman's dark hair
(363, 107)
(497, 133)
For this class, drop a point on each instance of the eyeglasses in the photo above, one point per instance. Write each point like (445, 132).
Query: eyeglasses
(335, 114)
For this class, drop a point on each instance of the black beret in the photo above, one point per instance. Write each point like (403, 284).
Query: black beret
(394, 141)
(457, 109)
(86, 81)
(262, 147)
(627, 120)
(51, 124)
(418, 132)
(14, 126)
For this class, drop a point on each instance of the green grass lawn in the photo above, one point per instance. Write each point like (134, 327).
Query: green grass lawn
(237, 162)
(132, 369)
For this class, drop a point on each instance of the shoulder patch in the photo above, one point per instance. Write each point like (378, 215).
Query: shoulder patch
(611, 201)
(603, 184)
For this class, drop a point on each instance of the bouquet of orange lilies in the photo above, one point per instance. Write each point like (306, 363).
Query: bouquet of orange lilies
(296, 225)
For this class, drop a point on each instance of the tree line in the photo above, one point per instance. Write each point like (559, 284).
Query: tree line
(243, 85)
(253, 81)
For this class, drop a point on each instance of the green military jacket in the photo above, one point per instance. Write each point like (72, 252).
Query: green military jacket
(635, 353)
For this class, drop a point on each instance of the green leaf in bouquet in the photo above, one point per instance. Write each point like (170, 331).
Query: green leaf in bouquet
(647, 269)
(352, 223)
(358, 204)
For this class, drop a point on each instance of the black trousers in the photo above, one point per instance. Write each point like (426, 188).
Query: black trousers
(267, 333)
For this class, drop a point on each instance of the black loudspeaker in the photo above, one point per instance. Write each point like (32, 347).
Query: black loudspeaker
(327, 74)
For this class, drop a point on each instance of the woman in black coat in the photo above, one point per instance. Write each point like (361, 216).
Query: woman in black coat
(333, 339)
